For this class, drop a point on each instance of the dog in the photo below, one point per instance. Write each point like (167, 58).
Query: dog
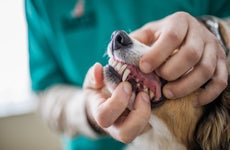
(176, 124)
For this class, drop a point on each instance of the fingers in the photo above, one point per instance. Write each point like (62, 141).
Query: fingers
(135, 122)
(94, 78)
(215, 86)
(98, 75)
(146, 34)
(168, 36)
(111, 114)
(195, 78)
(108, 112)
(186, 54)
(183, 59)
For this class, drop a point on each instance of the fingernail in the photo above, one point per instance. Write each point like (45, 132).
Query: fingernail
(127, 88)
(145, 97)
(145, 67)
(168, 93)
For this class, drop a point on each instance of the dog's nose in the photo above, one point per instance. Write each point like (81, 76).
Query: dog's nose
(120, 39)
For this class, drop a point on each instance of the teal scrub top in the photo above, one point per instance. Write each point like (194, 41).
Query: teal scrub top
(64, 44)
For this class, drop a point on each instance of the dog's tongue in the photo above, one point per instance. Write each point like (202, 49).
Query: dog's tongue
(146, 82)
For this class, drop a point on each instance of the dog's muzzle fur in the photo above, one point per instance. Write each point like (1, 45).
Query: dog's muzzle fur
(125, 54)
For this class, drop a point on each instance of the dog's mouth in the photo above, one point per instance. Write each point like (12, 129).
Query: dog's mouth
(117, 71)
(124, 53)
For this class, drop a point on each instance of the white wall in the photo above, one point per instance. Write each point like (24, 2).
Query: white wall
(24, 131)
(15, 96)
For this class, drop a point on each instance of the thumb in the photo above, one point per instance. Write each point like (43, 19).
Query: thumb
(94, 77)
(144, 35)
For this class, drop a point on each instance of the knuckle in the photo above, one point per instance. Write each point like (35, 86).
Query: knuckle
(222, 83)
(219, 49)
(101, 120)
(147, 26)
(125, 137)
(207, 70)
(166, 74)
(216, 44)
(148, 33)
(172, 35)
(181, 14)
(193, 54)
(173, 72)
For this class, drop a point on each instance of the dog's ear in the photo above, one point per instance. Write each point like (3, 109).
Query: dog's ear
(213, 130)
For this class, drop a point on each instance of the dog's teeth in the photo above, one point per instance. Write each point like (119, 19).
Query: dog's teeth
(145, 89)
(118, 66)
(111, 61)
(138, 85)
(151, 94)
(126, 74)
(122, 69)
(114, 63)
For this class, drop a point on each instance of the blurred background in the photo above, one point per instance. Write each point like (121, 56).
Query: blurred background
(20, 126)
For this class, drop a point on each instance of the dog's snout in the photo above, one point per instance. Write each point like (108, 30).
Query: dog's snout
(120, 39)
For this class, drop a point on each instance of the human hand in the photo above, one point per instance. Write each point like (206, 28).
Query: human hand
(109, 111)
(186, 54)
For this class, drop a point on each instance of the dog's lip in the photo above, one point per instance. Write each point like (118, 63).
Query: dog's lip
(149, 83)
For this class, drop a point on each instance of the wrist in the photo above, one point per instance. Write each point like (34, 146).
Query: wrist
(90, 119)
(77, 117)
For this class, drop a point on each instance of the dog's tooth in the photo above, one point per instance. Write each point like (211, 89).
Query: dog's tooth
(111, 61)
(118, 66)
(114, 63)
(151, 94)
(125, 74)
(122, 69)
(138, 85)
(145, 89)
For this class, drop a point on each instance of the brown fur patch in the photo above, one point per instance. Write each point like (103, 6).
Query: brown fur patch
(181, 117)
(213, 131)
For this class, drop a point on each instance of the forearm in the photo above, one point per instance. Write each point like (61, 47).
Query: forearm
(63, 108)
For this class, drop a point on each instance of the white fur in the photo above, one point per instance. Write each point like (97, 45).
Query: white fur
(158, 138)
(136, 51)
